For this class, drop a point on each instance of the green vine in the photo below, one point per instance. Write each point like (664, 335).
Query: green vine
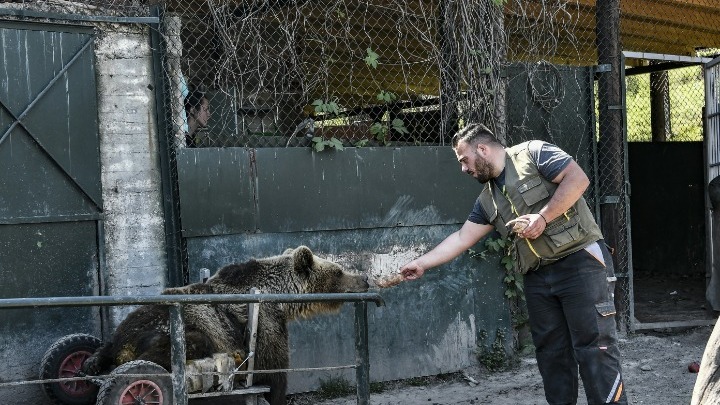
(331, 109)
(494, 356)
(513, 279)
(380, 129)
(514, 288)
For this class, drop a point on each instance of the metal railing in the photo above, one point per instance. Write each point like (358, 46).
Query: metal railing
(177, 326)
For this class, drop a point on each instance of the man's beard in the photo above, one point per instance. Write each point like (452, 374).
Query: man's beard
(483, 169)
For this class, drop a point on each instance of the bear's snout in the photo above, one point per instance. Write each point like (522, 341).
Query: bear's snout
(359, 283)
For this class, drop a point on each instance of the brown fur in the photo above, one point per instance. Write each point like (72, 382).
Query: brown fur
(144, 334)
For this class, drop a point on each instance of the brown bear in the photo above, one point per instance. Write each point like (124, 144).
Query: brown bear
(209, 329)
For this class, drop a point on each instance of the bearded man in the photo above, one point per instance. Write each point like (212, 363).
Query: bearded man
(533, 192)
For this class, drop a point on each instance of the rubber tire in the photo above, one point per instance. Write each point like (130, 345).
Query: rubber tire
(69, 353)
(117, 386)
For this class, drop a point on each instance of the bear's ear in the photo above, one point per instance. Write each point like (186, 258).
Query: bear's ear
(288, 251)
(303, 259)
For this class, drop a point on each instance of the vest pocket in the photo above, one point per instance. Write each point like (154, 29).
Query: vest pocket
(566, 231)
(533, 191)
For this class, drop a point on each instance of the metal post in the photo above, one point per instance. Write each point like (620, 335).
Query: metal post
(362, 354)
(173, 238)
(611, 149)
(177, 355)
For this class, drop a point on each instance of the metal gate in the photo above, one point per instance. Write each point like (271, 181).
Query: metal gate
(712, 179)
(50, 194)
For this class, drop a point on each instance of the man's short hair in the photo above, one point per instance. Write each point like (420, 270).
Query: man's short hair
(194, 100)
(474, 134)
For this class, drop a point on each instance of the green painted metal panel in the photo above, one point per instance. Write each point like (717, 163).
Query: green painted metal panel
(216, 191)
(50, 193)
(553, 103)
(439, 313)
(32, 189)
(45, 260)
(300, 190)
(233, 190)
(47, 80)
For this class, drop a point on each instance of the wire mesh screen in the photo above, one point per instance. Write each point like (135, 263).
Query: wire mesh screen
(665, 105)
(330, 73)
(357, 73)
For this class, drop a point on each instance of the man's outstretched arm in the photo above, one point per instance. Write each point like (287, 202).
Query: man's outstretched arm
(450, 248)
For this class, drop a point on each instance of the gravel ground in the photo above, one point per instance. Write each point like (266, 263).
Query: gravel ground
(655, 365)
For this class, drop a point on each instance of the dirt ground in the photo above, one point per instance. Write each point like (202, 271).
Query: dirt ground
(655, 367)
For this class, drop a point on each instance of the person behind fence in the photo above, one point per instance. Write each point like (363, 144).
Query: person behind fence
(533, 193)
(197, 109)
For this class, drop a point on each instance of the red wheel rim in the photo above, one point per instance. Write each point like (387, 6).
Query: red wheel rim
(142, 392)
(69, 368)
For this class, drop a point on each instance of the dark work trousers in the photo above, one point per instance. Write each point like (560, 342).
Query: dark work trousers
(572, 320)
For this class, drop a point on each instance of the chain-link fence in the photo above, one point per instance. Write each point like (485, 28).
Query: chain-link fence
(330, 73)
(665, 105)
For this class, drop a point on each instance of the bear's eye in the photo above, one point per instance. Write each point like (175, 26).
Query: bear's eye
(338, 273)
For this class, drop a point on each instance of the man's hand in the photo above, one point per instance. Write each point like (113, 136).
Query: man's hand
(535, 225)
(412, 270)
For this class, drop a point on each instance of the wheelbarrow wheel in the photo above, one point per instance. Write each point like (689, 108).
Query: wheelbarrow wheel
(125, 387)
(64, 359)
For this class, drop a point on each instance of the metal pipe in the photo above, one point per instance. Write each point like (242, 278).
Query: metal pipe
(362, 354)
(37, 302)
(177, 355)
(77, 17)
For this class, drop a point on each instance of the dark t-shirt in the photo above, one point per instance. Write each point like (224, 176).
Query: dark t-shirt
(550, 161)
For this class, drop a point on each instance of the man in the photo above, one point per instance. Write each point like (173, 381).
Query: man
(569, 276)
(197, 108)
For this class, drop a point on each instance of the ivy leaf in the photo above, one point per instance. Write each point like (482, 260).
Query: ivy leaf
(377, 129)
(333, 108)
(399, 126)
(386, 96)
(336, 143)
(372, 58)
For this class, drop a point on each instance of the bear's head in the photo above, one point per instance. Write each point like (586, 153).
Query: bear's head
(319, 276)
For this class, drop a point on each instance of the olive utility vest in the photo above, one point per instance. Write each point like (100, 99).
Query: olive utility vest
(527, 192)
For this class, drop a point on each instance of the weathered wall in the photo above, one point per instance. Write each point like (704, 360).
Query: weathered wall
(134, 233)
(371, 210)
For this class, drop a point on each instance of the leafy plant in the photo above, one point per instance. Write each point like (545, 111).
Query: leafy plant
(513, 280)
(323, 107)
(494, 357)
(372, 58)
(361, 143)
(514, 288)
(379, 131)
(398, 125)
(319, 144)
(386, 96)
(330, 108)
